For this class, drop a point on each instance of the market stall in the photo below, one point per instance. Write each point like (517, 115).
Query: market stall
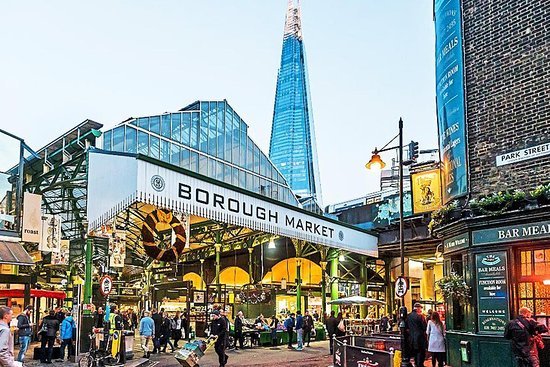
(358, 326)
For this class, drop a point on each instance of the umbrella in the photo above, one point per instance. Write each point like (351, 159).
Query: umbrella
(357, 300)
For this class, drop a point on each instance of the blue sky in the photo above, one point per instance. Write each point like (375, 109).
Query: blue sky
(369, 62)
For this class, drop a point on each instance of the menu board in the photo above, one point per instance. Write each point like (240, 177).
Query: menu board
(492, 292)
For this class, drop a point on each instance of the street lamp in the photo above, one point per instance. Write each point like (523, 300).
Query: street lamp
(376, 163)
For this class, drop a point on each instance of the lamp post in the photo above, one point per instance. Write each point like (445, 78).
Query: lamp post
(377, 163)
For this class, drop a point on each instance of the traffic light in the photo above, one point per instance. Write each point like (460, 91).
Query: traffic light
(413, 150)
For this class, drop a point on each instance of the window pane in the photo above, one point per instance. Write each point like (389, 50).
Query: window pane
(211, 168)
(185, 128)
(165, 129)
(236, 140)
(228, 135)
(176, 127)
(185, 158)
(227, 173)
(194, 162)
(165, 151)
(242, 179)
(175, 154)
(234, 176)
(154, 124)
(195, 130)
(203, 165)
(143, 122)
(154, 150)
(131, 140)
(143, 143)
(249, 182)
(118, 139)
(203, 137)
(219, 171)
(242, 152)
(212, 129)
(221, 130)
(107, 140)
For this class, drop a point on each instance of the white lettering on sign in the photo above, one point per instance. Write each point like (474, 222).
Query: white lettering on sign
(523, 154)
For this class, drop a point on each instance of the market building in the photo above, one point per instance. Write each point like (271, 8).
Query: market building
(494, 136)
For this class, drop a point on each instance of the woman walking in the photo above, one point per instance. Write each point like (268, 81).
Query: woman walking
(436, 339)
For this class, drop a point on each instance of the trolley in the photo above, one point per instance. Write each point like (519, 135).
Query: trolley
(192, 352)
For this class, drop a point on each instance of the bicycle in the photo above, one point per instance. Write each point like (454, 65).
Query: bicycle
(96, 357)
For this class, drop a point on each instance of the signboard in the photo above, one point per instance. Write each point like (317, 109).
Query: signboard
(401, 287)
(523, 154)
(32, 218)
(449, 70)
(167, 269)
(199, 297)
(105, 285)
(456, 243)
(492, 292)
(51, 233)
(61, 257)
(426, 191)
(359, 357)
(117, 249)
(528, 231)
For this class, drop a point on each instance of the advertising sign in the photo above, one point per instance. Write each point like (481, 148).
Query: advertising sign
(51, 233)
(61, 257)
(32, 218)
(117, 249)
(449, 71)
(426, 191)
(492, 292)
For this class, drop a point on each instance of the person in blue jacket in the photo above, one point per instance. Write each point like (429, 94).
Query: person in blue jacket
(289, 326)
(147, 332)
(66, 335)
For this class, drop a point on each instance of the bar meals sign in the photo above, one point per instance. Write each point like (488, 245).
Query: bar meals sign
(523, 154)
(528, 231)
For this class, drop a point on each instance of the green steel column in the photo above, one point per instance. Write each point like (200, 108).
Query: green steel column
(323, 288)
(250, 267)
(218, 250)
(88, 267)
(298, 284)
(363, 288)
(334, 263)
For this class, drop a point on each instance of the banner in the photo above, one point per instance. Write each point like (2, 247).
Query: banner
(51, 233)
(32, 218)
(449, 70)
(62, 257)
(426, 191)
(117, 249)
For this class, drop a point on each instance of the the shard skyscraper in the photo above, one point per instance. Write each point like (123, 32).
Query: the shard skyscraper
(292, 147)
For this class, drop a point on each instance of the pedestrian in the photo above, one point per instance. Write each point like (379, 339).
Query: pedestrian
(24, 329)
(48, 330)
(165, 334)
(289, 326)
(273, 327)
(6, 339)
(416, 323)
(384, 323)
(157, 318)
(146, 332)
(175, 324)
(59, 314)
(332, 325)
(185, 325)
(239, 337)
(308, 327)
(436, 339)
(340, 325)
(315, 316)
(99, 318)
(66, 336)
(429, 317)
(299, 330)
(132, 319)
(522, 332)
(219, 328)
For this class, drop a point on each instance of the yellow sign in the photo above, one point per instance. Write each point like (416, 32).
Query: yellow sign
(426, 190)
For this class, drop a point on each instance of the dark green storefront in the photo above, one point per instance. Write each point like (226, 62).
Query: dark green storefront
(505, 260)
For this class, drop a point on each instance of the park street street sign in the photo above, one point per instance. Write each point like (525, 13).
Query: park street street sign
(401, 287)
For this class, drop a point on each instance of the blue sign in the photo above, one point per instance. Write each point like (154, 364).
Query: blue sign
(449, 69)
(492, 292)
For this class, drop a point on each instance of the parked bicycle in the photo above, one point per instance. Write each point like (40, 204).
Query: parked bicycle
(97, 357)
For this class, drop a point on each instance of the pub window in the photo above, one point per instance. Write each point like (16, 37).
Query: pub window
(533, 287)
(455, 313)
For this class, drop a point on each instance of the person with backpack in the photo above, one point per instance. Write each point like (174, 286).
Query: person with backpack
(522, 331)
(66, 335)
(48, 330)
(436, 339)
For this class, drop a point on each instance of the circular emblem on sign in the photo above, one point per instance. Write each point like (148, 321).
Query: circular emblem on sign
(164, 218)
(105, 285)
(157, 183)
(401, 287)
(341, 235)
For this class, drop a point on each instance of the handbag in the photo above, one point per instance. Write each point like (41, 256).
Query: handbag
(43, 329)
(341, 326)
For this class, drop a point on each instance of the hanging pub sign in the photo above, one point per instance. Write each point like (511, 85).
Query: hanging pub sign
(426, 191)
(492, 292)
(449, 72)
(51, 233)
(32, 218)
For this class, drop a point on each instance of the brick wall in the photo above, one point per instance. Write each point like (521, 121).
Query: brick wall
(507, 62)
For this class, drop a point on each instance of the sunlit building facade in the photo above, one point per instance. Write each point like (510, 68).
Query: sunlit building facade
(292, 147)
(207, 137)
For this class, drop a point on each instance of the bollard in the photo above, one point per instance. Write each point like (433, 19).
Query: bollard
(345, 354)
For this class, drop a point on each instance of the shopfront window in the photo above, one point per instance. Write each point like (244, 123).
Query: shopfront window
(534, 283)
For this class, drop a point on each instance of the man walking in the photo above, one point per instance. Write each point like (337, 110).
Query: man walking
(289, 326)
(66, 336)
(24, 326)
(308, 327)
(219, 328)
(299, 330)
(49, 328)
(416, 323)
(6, 338)
(157, 318)
(239, 330)
(332, 325)
(175, 324)
(146, 332)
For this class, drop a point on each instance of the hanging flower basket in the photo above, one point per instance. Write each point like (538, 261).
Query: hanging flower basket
(454, 287)
(542, 194)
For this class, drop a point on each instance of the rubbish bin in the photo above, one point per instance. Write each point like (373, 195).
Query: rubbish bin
(129, 337)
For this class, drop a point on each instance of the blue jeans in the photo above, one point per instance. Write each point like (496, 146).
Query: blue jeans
(69, 344)
(24, 342)
(299, 338)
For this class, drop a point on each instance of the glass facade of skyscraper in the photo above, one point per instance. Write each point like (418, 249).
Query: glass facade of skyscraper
(292, 147)
(207, 137)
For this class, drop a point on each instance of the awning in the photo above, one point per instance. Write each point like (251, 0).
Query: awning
(13, 253)
(20, 293)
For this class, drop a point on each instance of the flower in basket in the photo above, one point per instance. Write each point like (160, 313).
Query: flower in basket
(454, 287)
(541, 194)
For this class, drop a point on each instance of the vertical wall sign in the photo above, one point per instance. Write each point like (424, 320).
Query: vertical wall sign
(492, 292)
(449, 69)
(32, 218)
